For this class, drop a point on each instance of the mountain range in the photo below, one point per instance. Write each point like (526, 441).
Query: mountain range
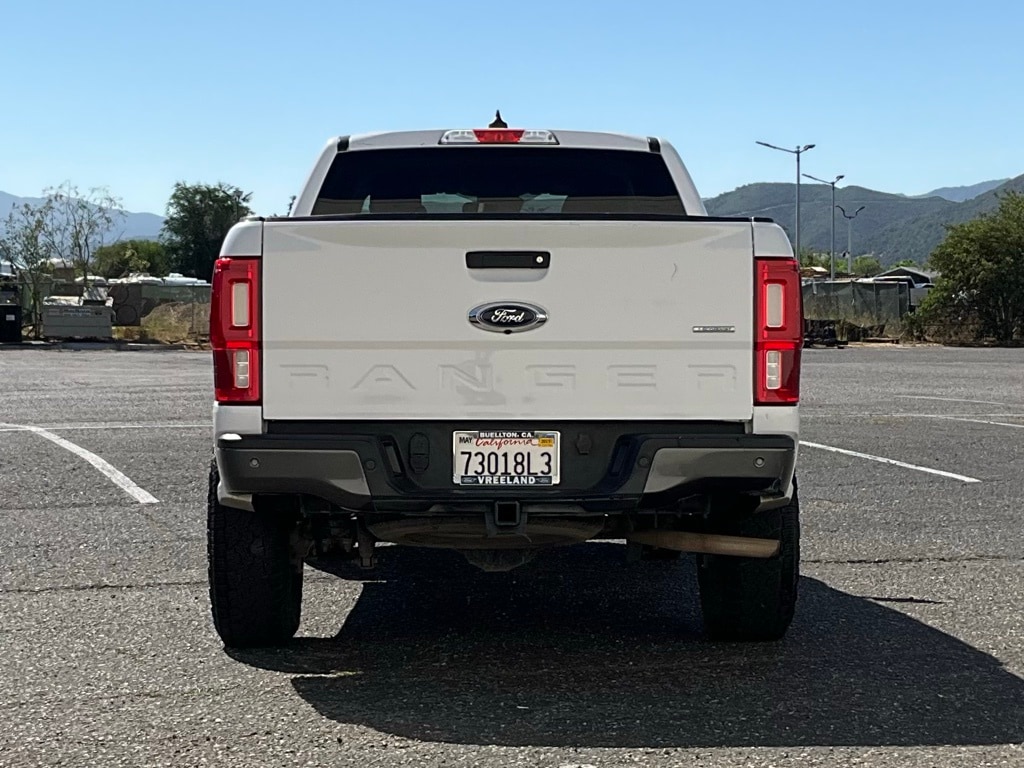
(891, 226)
(961, 194)
(143, 226)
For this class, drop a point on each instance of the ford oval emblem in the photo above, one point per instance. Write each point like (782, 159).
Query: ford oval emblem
(507, 316)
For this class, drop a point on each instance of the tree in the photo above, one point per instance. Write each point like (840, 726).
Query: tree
(866, 266)
(198, 218)
(77, 224)
(982, 266)
(809, 258)
(126, 257)
(25, 245)
(907, 263)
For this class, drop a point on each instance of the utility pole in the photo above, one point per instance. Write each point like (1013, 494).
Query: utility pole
(832, 210)
(849, 235)
(798, 151)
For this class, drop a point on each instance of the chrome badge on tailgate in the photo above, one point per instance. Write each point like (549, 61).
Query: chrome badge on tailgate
(507, 317)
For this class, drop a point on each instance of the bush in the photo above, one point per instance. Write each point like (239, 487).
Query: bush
(980, 295)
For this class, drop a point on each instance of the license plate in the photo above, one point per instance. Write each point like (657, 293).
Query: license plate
(505, 458)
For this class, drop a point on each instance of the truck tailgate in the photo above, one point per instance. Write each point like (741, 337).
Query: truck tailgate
(367, 319)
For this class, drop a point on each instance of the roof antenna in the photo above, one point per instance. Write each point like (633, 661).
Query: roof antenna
(498, 122)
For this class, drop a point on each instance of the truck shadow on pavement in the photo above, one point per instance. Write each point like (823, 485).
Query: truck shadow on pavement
(579, 649)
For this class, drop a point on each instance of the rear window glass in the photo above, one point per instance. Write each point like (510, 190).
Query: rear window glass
(505, 180)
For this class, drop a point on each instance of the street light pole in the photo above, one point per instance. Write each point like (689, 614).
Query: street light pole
(832, 210)
(798, 151)
(849, 235)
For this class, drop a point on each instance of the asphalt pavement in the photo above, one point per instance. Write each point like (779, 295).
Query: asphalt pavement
(907, 648)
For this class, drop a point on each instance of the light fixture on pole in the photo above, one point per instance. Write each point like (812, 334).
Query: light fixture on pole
(849, 235)
(832, 210)
(798, 151)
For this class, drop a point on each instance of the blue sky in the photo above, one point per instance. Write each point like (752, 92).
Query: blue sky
(903, 96)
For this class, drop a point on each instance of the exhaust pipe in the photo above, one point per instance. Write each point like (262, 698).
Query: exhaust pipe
(707, 543)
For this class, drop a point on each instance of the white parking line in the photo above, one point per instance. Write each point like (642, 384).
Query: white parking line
(957, 400)
(893, 462)
(113, 474)
(904, 415)
(979, 421)
(86, 427)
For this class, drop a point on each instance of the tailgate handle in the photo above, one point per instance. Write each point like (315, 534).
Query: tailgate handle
(508, 259)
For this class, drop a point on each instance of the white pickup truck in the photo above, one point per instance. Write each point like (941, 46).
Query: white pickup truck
(500, 341)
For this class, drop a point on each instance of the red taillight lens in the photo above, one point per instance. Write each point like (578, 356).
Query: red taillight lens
(235, 330)
(498, 135)
(779, 333)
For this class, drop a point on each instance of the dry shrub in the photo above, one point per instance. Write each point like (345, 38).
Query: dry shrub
(176, 323)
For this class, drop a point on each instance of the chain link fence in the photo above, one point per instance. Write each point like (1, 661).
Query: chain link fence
(181, 313)
(876, 308)
(165, 313)
(138, 311)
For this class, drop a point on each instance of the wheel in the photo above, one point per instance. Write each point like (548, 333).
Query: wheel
(746, 599)
(255, 585)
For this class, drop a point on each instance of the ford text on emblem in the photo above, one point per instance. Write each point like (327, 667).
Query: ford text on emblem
(507, 317)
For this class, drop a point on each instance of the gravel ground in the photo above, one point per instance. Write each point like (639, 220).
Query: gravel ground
(908, 647)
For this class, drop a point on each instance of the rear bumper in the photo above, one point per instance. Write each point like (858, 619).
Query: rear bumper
(406, 467)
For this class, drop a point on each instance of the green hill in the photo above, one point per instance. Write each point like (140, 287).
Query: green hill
(960, 194)
(893, 227)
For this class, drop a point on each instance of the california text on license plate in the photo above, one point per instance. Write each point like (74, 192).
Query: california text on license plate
(505, 458)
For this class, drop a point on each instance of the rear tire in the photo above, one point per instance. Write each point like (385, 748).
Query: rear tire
(747, 599)
(255, 587)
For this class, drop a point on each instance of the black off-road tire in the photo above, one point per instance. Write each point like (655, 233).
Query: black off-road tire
(255, 586)
(746, 599)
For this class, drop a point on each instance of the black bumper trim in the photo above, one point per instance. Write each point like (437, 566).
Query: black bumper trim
(405, 467)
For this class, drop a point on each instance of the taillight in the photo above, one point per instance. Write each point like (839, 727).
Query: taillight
(235, 329)
(779, 333)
